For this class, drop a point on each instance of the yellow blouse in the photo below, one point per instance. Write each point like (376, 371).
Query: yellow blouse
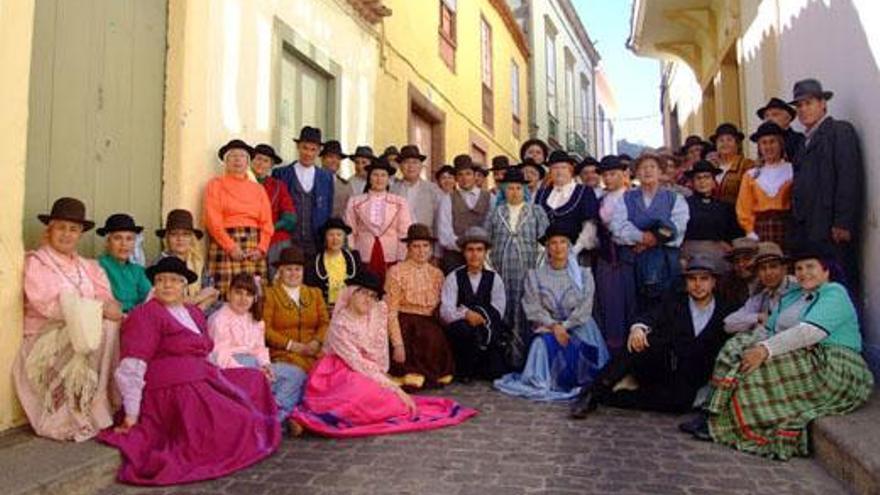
(335, 266)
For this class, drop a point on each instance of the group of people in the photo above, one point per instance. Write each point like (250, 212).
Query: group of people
(321, 303)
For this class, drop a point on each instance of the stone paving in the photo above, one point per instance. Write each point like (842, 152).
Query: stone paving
(518, 447)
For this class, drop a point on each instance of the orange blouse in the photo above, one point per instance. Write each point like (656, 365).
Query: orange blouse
(753, 199)
(411, 288)
(237, 202)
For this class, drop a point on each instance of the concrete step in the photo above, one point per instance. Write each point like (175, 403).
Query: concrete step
(848, 447)
(30, 465)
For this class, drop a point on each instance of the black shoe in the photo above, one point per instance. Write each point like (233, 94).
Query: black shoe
(584, 405)
(690, 426)
(701, 432)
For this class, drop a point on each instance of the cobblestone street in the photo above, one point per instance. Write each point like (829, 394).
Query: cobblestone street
(519, 447)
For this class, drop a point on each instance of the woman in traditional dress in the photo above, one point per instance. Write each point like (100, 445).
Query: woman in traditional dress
(807, 358)
(650, 224)
(239, 336)
(71, 323)
(712, 225)
(283, 211)
(571, 204)
(378, 220)
(615, 278)
(181, 238)
(185, 419)
(238, 217)
(568, 350)
(764, 202)
(348, 393)
(295, 314)
(127, 279)
(335, 264)
(421, 356)
(533, 173)
(730, 159)
(514, 227)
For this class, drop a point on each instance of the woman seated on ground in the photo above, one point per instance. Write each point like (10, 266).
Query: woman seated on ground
(240, 341)
(185, 419)
(807, 358)
(62, 369)
(335, 264)
(567, 350)
(295, 314)
(127, 279)
(180, 238)
(421, 355)
(348, 392)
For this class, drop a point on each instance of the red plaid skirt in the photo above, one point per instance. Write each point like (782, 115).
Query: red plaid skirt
(770, 226)
(221, 267)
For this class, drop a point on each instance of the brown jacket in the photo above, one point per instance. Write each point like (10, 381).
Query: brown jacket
(728, 190)
(286, 321)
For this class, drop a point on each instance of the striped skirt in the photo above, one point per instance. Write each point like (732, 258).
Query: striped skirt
(767, 411)
(770, 226)
(220, 265)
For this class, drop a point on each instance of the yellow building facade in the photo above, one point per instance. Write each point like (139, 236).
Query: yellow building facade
(453, 79)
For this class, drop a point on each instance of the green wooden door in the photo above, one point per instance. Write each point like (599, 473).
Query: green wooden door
(305, 100)
(96, 111)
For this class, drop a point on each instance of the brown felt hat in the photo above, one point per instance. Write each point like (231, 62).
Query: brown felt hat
(70, 210)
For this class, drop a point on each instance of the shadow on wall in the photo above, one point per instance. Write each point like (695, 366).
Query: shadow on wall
(835, 42)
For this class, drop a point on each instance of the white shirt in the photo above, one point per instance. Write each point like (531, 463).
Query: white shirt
(772, 176)
(623, 231)
(449, 312)
(305, 176)
(700, 316)
(560, 195)
(515, 213)
(292, 292)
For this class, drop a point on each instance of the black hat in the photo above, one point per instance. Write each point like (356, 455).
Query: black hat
(694, 140)
(514, 175)
(292, 255)
(419, 232)
(479, 169)
(363, 152)
(500, 162)
(334, 223)
(391, 151)
(588, 161)
(809, 87)
(729, 129)
(529, 143)
(464, 162)
(557, 229)
(664, 230)
(70, 210)
(812, 250)
(179, 220)
(776, 103)
(380, 163)
(445, 169)
(235, 144)
(611, 162)
(119, 222)
(332, 147)
(266, 150)
(625, 157)
(767, 129)
(701, 263)
(309, 135)
(367, 280)
(171, 264)
(528, 162)
(560, 156)
(409, 151)
(702, 166)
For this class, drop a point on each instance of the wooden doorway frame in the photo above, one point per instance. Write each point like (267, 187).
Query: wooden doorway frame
(419, 104)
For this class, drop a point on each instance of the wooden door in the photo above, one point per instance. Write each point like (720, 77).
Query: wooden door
(305, 100)
(96, 111)
(421, 134)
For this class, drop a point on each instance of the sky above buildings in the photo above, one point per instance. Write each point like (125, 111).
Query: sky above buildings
(636, 80)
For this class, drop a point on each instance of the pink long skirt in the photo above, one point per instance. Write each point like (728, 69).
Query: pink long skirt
(339, 402)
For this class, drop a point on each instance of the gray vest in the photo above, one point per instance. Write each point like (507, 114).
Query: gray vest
(463, 217)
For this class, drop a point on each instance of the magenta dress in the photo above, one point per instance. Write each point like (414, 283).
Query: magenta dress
(196, 422)
(349, 393)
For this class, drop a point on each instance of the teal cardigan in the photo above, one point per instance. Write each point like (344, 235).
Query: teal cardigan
(831, 310)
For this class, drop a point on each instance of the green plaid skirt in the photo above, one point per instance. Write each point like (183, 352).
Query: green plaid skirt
(767, 411)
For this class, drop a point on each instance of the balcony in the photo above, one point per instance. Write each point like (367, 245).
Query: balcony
(552, 127)
(576, 144)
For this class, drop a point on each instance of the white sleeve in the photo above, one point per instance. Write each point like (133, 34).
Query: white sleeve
(797, 337)
(499, 298)
(449, 312)
(622, 230)
(680, 216)
(130, 382)
(445, 233)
